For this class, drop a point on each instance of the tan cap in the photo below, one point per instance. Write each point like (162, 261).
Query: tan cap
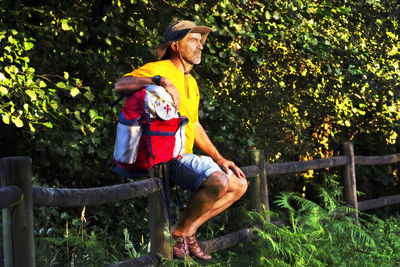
(177, 31)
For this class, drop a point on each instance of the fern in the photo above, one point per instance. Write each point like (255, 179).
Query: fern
(322, 235)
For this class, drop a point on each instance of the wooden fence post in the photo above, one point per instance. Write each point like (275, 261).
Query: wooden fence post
(350, 188)
(17, 171)
(259, 186)
(6, 218)
(158, 220)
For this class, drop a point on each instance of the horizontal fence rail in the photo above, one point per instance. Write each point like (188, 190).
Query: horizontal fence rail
(250, 171)
(378, 202)
(10, 196)
(300, 166)
(65, 197)
(212, 245)
(377, 160)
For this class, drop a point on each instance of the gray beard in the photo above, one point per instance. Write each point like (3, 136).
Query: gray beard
(194, 60)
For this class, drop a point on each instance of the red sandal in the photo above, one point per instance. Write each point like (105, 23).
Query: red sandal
(195, 248)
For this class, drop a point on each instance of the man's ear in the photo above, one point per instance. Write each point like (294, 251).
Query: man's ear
(174, 46)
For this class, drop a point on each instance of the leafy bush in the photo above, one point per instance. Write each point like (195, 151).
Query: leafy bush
(295, 78)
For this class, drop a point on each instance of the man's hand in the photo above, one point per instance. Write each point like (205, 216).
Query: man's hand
(171, 89)
(226, 164)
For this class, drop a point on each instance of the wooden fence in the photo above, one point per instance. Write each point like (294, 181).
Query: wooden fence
(17, 192)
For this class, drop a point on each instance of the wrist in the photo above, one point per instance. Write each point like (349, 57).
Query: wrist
(156, 80)
(219, 159)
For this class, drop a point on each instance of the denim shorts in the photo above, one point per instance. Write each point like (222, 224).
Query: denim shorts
(190, 171)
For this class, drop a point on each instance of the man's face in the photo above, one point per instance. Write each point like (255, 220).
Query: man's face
(191, 47)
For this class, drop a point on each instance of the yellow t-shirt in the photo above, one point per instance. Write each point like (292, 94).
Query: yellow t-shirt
(189, 105)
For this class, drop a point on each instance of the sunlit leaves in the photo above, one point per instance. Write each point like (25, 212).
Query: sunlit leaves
(64, 25)
(31, 94)
(61, 85)
(6, 118)
(31, 103)
(289, 48)
(74, 92)
(3, 90)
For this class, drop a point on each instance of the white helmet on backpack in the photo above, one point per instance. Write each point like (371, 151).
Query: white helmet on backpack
(158, 102)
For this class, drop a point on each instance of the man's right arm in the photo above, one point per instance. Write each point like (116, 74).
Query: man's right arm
(129, 84)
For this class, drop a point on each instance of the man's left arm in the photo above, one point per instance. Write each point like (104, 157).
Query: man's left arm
(203, 142)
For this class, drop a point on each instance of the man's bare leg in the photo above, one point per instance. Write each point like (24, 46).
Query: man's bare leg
(229, 198)
(215, 195)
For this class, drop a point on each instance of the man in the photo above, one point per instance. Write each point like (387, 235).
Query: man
(217, 182)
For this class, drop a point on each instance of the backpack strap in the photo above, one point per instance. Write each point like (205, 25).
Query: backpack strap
(113, 104)
(183, 120)
(166, 183)
(147, 129)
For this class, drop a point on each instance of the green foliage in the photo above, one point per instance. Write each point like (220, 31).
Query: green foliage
(129, 247)
(306, 71)
(74, 247)
(89, 236)
(317, 236)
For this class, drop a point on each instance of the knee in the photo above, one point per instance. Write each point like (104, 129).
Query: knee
(219, 183)
(241, 187)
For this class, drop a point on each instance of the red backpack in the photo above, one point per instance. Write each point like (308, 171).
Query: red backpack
(150, 131)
